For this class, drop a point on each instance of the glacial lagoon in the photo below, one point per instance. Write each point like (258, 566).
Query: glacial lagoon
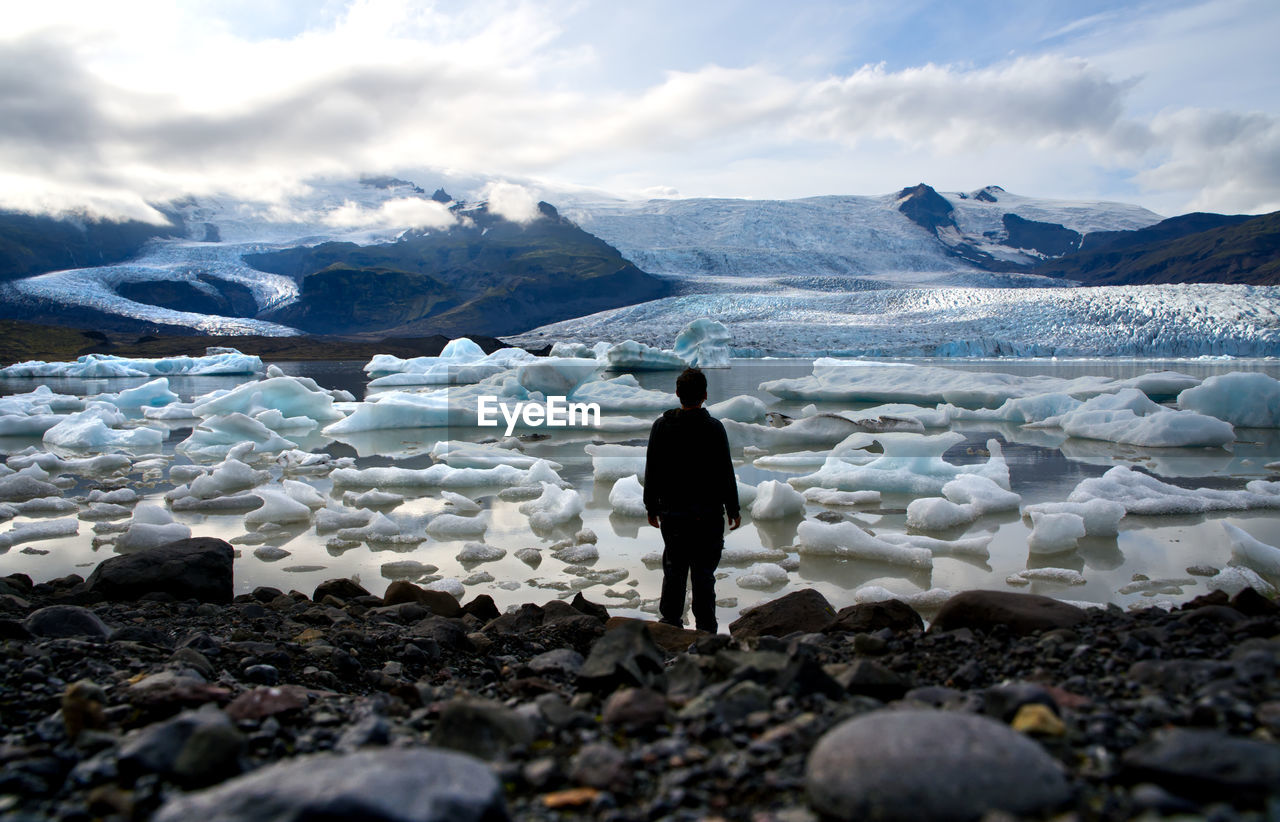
(1146, 563)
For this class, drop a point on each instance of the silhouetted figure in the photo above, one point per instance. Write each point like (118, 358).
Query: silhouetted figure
(689, 487)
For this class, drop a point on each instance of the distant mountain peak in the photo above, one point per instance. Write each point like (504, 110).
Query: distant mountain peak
(441, 196)
(384, 181)
(925, 207)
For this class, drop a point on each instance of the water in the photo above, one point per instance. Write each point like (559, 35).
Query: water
(1043, 467)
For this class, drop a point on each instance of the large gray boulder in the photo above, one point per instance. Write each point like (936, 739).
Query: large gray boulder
(65, 621)
(806, 611)
(387, 785)
(197, 568)
(935, 765)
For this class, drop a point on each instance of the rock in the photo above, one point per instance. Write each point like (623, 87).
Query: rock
(1020, 613)
(625, 655)
(484, 729)
(804, 675)
(602, 766)
(670, 638)
(1003, 702)
(869, 617)
(564, 661)
(589, 608)
(262, 674)
(805, 610)
(440, 603)
(482, 608)
(198, 568)
(1251, 603)
(263, 702)
(937, 765)
(520, 621)
(195, 748)
(866, 677)
(389, 785)
(341, 588)
(66, 620)
(1207, 765)
(635, 708)
(1038, 720)
(82, 703)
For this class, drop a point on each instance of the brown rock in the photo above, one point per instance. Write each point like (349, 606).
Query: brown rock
(869, 617)
(1020, 613)
(263, 702)
(440, 603)
(635, 708)
(669, 638)
(805, 610)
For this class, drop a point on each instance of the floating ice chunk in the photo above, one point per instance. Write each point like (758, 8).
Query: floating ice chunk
(938, 514)
(304, 493)
(555, 376)
(445, 476)
(278, 506)
(1035, 408)
(407, 569)
(633, 356)
(1054, 533)
(1145, 495)
(333, 519)
(462, 361)
(704, 343)
(35, 531)
(577, 554)
(452, 526)
(744, 554)
(899, 416)
(478, 578)
(227, 477)
(858, 381)
(107, 365)
(1101, 516)
(612, 462)
(102, 510)
(746, 494)
(462, 454)
(14, 424)
(450, 585)
(475, 552)
(846, 539)
(1248, 400)
(763, 576)
(622, 393)
(460, 504)
(776, 500)
(1150, 587)
(289, 396)
(231, 503)
(1235, 578)
(529, 556)
(1166, 429)
(1160, 385)
(1249, 551)
(153, 394)
(151, 526)
(54, 464)
(929, 600)
(965, 547)
(579, 349)
(46, 505)
(371, 499)
(742, 408)
(824, 496)
(379, 528)
(982, 492)
(911, 463)
(41, 400)
(215, 436)
(653, 559)
(98, 427)
(820, 429)
(626, 498)
(1059, 576)
(271, 553)
(116, 496)
(311, 464)
(796, 460)
(556, 506)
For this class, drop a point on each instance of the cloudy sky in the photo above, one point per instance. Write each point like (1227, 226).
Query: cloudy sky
(1172, 104)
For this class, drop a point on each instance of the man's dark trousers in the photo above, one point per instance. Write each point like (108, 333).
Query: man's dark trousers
(692, 546)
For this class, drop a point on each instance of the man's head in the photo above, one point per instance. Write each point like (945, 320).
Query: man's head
(691, 387)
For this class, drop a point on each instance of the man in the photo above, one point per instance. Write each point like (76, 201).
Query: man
(689, 486)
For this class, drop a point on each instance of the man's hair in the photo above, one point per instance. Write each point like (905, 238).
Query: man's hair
(691, 386)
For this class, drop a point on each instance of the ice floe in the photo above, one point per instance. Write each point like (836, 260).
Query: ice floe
(776, 500)
(1253, 553)
(1143, 494)
(847, 540)
(1221, 396)
(555, 506)
(704, 343)
(763, 576)
(39, 530)
(98, 366)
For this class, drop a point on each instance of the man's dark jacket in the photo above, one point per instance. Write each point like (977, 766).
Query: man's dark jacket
(687, 467)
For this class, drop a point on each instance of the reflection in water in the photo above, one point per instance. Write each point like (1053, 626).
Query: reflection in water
(1044, 466)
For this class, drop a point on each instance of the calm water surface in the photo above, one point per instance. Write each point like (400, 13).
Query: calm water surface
(1043, 465)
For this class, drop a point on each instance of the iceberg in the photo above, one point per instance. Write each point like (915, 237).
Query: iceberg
(1253, 553)
(763, 576)
(463, 454)
(98, 427)
(1054, 533)
(742, 408)
(445, 476)
(911, 464)
(626, 497)
(555, 506)
(1101, 517)
(776, 500)
(215, 436)
(847, 540)
(100, 366)
(150, 527)
(1145, 495)
(34, 531)
(1221, 396)
(704, 343)
(291, 397)
(612, 462)
(630, 355)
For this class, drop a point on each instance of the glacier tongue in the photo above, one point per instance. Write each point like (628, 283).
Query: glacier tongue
(1180, 320)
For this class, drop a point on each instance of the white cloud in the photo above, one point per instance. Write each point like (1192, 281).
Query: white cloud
(511, 202)
(110, 108)
(401, 212)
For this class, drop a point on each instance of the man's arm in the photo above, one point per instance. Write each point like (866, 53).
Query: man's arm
(654, 467)
(730, 488)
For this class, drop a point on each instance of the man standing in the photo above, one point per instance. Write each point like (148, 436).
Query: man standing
(689, 486)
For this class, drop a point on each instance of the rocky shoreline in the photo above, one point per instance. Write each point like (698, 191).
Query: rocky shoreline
(148, 691)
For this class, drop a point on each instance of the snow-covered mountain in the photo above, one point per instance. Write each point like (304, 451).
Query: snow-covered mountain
(914, 236)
